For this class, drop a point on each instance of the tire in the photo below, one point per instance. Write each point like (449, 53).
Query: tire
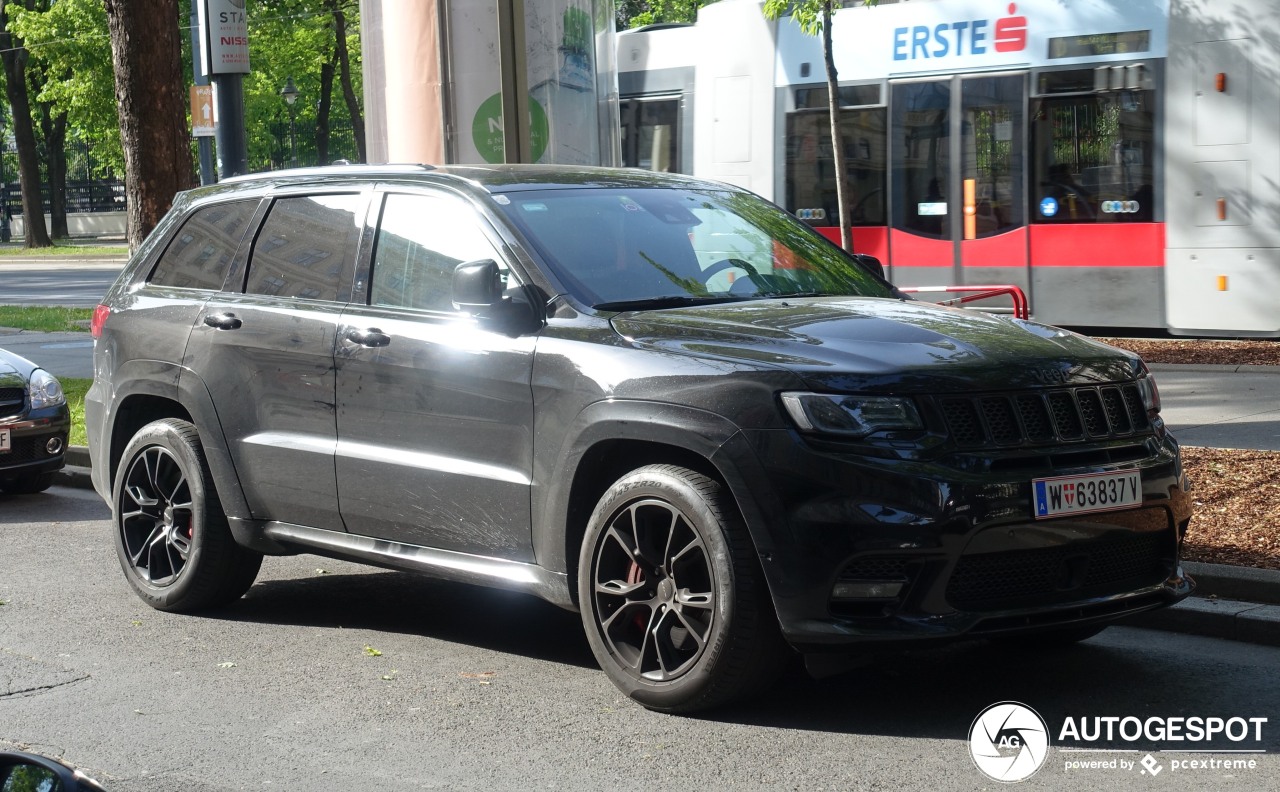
(29, 484)
(171, 535)
(672, 596)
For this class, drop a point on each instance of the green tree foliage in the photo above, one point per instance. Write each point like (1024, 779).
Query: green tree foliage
(287, 38)
(634, 13)
(72, 42)
(296, 38)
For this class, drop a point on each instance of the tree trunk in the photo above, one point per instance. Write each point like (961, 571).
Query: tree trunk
(344, 71)
(24, 133)
(322, 113)
(55, 146)
(151, 100)
(837, 140)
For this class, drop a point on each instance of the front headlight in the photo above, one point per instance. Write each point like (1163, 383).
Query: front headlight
(851, 416)
(1150, 393)
(46, 391)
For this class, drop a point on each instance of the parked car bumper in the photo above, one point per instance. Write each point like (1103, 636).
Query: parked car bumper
(875, 549)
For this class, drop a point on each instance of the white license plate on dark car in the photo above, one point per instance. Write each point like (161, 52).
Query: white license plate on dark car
(6, 444)
(1053, 497)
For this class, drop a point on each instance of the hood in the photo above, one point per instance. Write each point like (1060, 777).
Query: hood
(869, 344)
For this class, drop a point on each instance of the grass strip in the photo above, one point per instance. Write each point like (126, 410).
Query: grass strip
(17, 251)
(76, 388)
(45, 318)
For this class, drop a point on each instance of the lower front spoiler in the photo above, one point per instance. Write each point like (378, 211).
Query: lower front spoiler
(842, 635)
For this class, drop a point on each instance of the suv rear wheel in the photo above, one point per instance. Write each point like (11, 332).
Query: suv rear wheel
(673, 599)
(172, 537)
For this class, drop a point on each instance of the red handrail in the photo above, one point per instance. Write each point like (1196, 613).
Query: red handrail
(1021, 308)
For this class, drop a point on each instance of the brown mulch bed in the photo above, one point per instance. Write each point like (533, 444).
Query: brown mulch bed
(1236, 492)
(1233, 353)
(1237, 507)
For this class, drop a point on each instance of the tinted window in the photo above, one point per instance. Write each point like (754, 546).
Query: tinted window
(306, 247)
(200, 255)
(421, 240)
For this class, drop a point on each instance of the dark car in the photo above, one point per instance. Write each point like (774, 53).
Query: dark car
(34, 421)
(662, 402)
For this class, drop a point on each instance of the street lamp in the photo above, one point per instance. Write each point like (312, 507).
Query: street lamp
(290, 95)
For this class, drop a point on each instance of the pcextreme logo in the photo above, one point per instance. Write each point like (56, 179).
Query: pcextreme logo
(961, 37)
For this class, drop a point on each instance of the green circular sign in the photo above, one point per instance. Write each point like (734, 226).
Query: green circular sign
(486, 129)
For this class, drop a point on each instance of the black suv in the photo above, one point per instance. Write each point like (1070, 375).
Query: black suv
(660, 401)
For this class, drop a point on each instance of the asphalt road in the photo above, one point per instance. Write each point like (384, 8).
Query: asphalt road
(78, 284)
(476, 689)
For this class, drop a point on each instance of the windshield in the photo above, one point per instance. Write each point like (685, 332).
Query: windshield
(622, 248)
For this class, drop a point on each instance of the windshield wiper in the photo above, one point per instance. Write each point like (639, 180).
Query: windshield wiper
(673, 301)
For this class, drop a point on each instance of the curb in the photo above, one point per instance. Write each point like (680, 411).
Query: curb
(1214, 368)
(1236, 603)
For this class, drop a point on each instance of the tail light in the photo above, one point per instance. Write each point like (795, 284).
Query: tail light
(100, 315)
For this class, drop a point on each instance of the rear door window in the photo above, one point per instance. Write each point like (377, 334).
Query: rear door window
(201, 253)
(307, 246)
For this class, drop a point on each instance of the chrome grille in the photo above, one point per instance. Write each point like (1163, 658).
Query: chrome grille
(1037, 418)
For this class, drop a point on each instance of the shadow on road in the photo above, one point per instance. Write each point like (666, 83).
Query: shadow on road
(402, 602)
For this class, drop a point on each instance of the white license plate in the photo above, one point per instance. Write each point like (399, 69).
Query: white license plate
(1052, 497)
(6, 444)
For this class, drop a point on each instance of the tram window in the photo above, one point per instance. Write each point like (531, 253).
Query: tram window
(1093, 158)
(810, 166)
(922, 158)
(650, 131)
(850, 96)
(1066, 81)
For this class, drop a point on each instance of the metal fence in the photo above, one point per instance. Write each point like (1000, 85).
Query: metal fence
(92, 186)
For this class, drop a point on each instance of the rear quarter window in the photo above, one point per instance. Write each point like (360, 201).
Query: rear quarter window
(202, 252)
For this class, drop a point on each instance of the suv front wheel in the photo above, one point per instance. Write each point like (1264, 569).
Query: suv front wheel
(673, 599)
(172, 537)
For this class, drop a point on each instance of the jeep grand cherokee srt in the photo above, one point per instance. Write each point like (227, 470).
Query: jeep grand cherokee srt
(659, 401)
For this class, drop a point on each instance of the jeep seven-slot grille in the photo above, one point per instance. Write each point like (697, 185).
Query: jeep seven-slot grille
(1093, 568)
(1068, 414)
(11, 401)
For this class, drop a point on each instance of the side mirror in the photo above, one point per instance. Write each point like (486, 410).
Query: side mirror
(477, 285)
(871, 264)
(23, 771)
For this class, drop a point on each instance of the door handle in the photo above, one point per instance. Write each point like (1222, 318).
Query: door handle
(223, 321)
(369, 337)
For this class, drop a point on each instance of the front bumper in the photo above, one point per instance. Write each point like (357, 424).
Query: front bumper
(30, 436)
(958, 547)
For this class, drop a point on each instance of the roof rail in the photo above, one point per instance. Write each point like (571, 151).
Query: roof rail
(344, 169)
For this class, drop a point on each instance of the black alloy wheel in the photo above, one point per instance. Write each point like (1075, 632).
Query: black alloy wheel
(172, 537)
(673, 599)
(157, 527)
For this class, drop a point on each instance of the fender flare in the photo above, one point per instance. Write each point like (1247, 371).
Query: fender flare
(713, 437)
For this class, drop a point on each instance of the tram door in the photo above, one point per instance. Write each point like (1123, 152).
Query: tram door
(958, 203)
